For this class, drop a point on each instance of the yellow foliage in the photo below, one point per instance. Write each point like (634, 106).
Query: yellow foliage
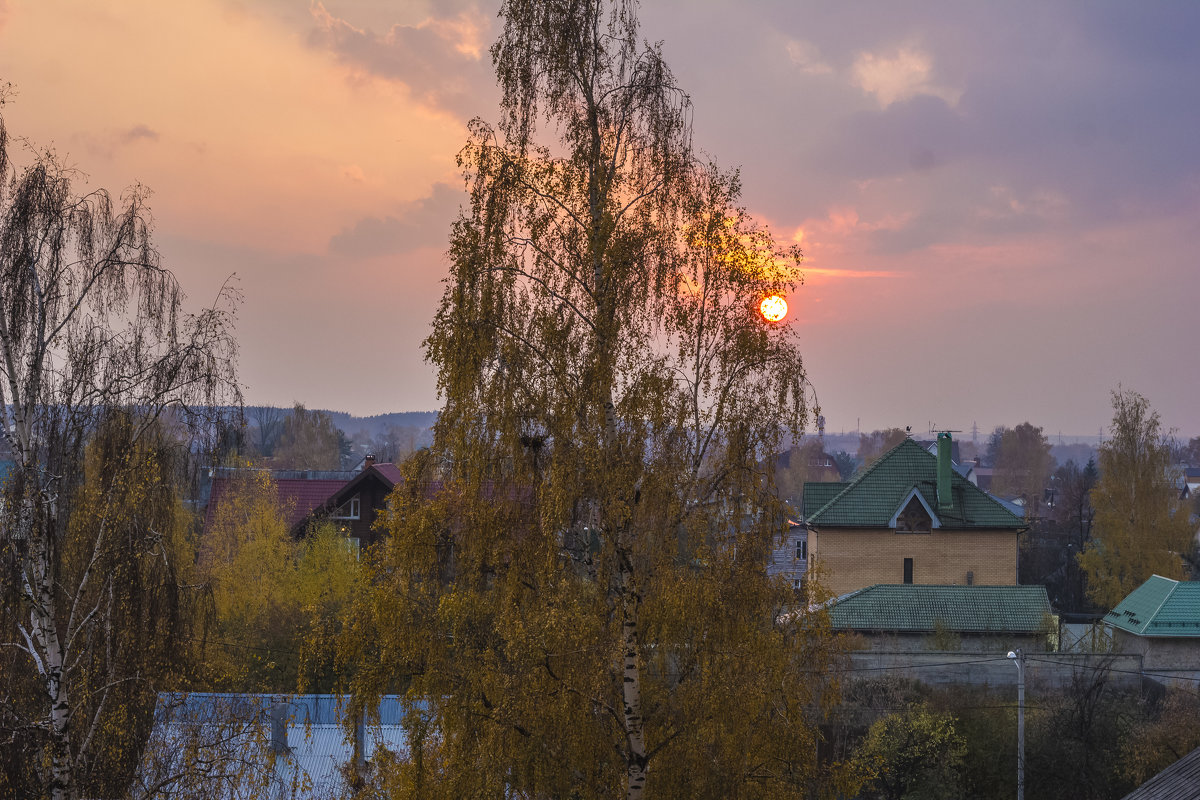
(270, 592)
(1141, 527)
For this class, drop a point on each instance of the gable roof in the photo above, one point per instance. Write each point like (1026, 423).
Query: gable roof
(1159, 607)
(917, 608)
(818, 494)
(298, 496)
(874, 496)
(386, 474)
(1180, 781)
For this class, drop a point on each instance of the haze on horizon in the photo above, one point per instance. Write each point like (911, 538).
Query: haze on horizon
(998, 204)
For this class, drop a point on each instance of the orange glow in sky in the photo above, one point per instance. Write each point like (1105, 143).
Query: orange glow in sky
(773, 308)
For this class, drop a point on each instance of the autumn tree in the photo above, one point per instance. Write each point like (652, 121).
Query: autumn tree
(802, 463)
(1141, 527)
(1073, 513)
(271, 593)
(1023, 465)
(268, 427)
(1191, 452)
(874, 444)
(573, 592)
(914, 752)
(308, 440)
(97, 359)
(1160, 738)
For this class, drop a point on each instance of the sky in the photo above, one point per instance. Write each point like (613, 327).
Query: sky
(998, 203)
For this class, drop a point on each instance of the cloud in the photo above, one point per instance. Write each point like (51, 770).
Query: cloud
(906, 73)
(442, 60)
(807, 57)
(835, 273)
(425, 223)
(138, 132)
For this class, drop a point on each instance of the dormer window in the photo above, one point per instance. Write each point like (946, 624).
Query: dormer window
(913, 515)
(914, 518)
(348, 510)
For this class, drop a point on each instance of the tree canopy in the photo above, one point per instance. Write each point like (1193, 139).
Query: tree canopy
(574, 586)
(106, 389)
(1140, 526)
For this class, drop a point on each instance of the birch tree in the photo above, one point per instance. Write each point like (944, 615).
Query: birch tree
(573, 593)
(1140, 527)
(97, 359)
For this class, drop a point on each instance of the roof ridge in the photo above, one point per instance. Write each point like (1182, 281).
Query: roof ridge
(1166, 597)
(991, 498)
(850, 484)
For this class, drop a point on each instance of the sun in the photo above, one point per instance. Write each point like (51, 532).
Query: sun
(773, 308)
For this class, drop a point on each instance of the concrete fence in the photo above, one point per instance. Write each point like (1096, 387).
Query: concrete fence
(1042, 670)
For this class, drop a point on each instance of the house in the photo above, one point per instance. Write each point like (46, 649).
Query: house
(256, 745)
(1160, 621)
(1190, 482)
(910, 518)
(352, 499)
(1180, 781)
(790, 558)
(356, 504)
(912, 617)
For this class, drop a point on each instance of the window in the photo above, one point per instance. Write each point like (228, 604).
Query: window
(348, 510)
(908, 570)
(802, 549)
(352, 545)
(914, 518)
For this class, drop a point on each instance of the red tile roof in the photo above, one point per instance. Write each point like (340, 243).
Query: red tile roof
(298, 496)
(301, 497)
(390, 472)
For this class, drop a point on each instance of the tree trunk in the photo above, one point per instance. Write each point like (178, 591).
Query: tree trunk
(631, 691)
(45, 639)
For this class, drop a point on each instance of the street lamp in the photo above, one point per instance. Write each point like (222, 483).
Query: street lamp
(1019, 659)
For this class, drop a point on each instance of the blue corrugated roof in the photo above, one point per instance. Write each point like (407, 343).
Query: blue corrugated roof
(238, 728)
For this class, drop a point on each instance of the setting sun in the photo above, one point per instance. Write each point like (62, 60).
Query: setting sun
(773, 308)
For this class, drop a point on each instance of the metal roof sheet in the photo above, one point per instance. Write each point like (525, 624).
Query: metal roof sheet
(1180, 781)
(917, 608)
(1159, 607)
(237, 727)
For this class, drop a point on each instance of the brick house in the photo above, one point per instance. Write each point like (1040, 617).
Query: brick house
(909, 519)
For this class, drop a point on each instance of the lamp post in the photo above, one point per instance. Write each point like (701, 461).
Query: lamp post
(1019, 659)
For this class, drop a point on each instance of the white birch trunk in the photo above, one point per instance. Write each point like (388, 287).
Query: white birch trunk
(631, 690)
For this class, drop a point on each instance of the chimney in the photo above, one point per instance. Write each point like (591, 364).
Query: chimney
(368, 462)
(944, 501)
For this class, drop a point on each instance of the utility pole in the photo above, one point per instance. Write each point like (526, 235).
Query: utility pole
(1019, 659)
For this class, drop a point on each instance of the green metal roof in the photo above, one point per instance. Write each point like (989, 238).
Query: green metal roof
(917, 608)
(874, 497)
(1159, 607)
(818, 494)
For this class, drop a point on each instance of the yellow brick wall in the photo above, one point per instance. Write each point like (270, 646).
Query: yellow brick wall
(849, 559)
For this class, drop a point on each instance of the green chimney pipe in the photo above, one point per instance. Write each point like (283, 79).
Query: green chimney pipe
(945, 503)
